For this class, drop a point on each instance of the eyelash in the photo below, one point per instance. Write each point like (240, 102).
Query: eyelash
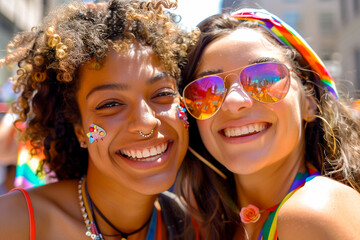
(108, 105)
(166, 94)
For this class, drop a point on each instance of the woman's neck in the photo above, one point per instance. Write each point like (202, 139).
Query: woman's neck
(265, 189)
(126, 209)
(269, 186)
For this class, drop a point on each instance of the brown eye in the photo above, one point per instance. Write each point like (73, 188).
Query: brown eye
(108, 105)
(166, 94)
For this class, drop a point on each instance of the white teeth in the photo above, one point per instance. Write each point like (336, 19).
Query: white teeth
(153, 151)
(133, 153)
(140, 155)
(158, 148)
(146, 153)
(251, 129)
(244, 130)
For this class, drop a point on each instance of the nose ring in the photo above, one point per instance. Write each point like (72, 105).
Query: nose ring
(149, 134)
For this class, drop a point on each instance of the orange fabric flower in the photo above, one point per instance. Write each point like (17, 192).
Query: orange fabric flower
(249, 214)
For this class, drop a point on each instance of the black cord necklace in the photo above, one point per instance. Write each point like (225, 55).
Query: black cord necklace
(124, 236)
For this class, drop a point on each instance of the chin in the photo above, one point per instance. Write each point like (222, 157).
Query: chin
(243, 167)
(157, 184)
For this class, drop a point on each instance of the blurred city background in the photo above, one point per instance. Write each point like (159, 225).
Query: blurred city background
(331, 27)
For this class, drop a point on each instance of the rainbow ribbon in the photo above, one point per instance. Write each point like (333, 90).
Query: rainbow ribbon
(288, 36)
(269, 230)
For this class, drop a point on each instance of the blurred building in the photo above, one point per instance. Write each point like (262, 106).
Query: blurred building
(15, 16)
(331, 27)
(349, 41)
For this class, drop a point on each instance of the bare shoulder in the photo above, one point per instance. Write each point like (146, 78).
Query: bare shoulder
(53, 203)
(322, 209)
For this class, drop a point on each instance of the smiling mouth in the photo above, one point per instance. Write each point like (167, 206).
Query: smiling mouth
(247, 130)
(146, 154)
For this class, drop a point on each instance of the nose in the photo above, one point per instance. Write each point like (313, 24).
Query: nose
(142, 119)
(236, 98)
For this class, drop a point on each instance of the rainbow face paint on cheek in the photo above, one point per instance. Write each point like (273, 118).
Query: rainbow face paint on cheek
(95, 133)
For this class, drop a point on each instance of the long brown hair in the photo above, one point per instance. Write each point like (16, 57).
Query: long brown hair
(213, 196)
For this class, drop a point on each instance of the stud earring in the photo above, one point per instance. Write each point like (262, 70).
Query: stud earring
(83, 144)
(181, 112)
(95, 133)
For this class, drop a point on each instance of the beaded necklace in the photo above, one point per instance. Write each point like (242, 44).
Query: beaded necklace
(92, 230)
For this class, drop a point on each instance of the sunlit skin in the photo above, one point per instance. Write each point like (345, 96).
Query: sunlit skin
(130, 93)
(127, 95)
(282, 138)
(265, 161)
(276, 152)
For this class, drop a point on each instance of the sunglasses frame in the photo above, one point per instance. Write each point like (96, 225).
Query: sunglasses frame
(240, 69)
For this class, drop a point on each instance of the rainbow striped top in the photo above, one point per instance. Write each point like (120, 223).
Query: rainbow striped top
(269, 230)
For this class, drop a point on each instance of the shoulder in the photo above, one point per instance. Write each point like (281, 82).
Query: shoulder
(322, 209)
(14, 220)
(55, 201)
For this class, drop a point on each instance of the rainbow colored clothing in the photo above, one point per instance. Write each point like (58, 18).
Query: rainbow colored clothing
(26, 168)
(269, 230)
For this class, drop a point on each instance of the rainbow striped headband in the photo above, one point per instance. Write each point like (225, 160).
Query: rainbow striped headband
(288, 36)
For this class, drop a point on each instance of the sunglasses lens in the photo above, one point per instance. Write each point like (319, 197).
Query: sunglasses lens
(204, 96)
(266, 82)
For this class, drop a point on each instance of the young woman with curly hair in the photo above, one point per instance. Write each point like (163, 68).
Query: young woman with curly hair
(98, 90)
(267, 113)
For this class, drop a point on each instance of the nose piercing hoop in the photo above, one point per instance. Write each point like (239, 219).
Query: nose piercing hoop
(149, 134)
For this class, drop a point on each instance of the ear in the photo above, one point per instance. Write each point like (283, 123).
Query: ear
(80, 134)
(310, 109)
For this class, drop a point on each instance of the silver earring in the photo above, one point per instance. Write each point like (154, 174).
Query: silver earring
(149, 134)
(83, 144)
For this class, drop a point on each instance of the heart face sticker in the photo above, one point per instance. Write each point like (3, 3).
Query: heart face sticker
(95, 133)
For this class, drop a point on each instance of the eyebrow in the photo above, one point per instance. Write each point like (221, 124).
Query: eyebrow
(216, 71)
(208, 72)
(263, 60)
(112, 86)
(157, 77)
(121, 86)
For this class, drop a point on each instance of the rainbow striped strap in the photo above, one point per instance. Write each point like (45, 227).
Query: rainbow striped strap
(269, 230)
(288, 36)
(152, 228)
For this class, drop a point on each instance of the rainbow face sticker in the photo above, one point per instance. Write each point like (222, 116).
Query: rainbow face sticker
(95, 133)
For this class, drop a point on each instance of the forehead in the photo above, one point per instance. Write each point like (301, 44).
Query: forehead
(136, 66)
(138, 58)
(238, 48)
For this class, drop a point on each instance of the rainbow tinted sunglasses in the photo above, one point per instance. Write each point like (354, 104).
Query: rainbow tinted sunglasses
(267, 82)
